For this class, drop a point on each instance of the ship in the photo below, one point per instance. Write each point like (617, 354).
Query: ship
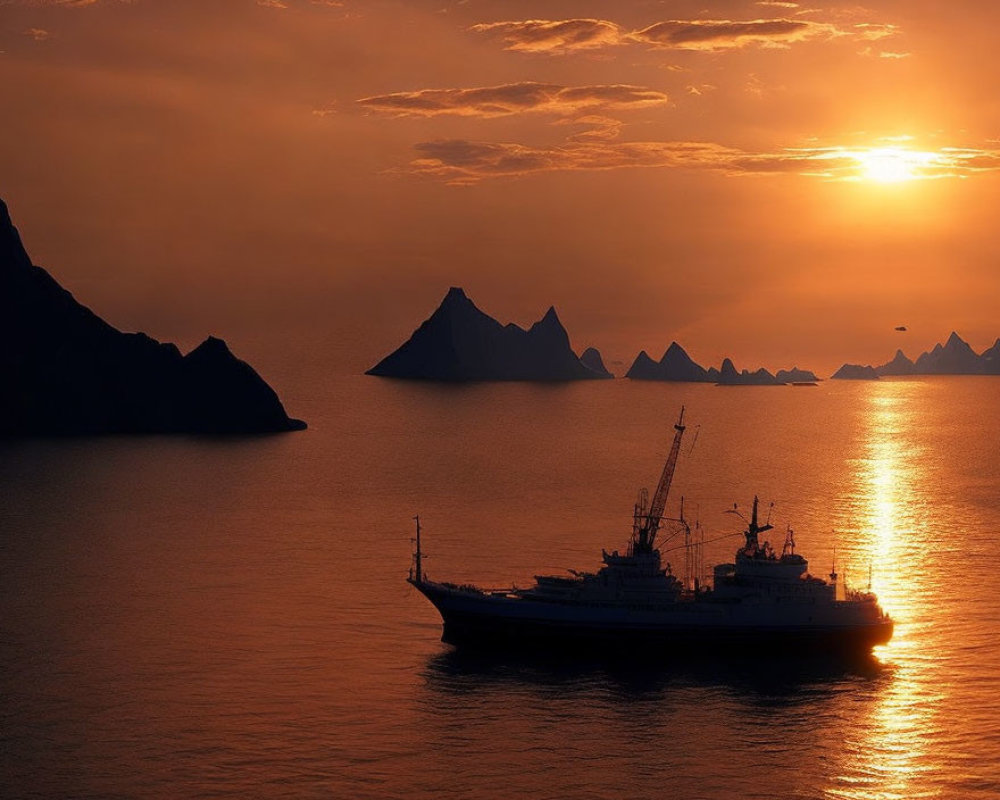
(761, 602)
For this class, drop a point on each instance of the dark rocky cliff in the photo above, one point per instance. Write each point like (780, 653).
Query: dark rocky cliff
(66, 371)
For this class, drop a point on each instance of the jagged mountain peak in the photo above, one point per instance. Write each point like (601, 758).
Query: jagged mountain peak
(549, 318)
(70, 372)
(459, 342)
(456, 299)
(212, 349)
(12, 252)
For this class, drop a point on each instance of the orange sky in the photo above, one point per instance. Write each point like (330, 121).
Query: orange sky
(315, 174)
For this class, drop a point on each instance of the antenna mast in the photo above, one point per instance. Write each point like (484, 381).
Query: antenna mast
(419, 575)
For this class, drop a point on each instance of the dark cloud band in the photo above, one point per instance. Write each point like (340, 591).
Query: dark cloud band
(515, 98)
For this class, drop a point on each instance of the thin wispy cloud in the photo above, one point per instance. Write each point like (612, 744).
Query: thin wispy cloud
(463, 162)
(715, 35)
(515, 98)
(557, 37)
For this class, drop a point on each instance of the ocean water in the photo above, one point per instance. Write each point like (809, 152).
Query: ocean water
(184, 617)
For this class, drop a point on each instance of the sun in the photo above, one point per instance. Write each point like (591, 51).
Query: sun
(888, 165)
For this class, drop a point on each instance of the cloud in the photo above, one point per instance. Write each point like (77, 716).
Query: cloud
(458, 161)
(38, 34)
(727, 34)
(554, 36)
(514, 98)
(558, 37)
(463, 162)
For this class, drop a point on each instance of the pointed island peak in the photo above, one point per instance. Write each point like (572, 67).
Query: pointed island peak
(591, 357)
(12, 252)
(459, 342)
(212, 346)
(677, 366)
(71, 373)
(550, 318)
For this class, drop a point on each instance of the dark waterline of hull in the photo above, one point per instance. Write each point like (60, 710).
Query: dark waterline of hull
(674, 641)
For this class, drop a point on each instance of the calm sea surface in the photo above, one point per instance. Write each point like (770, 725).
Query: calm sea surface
(229, 618)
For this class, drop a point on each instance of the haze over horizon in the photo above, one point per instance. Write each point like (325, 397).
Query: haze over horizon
(770, 181)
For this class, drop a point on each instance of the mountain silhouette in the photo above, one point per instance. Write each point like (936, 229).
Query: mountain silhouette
(677, 365)
(900, 365)
(458, 342)
(990, 359)
(591, 358)
(855, 372)
(728, 376)
(954, 357)
(68, 372)
(796, 375)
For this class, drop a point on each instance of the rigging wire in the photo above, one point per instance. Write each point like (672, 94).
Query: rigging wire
(707, 541)
(694, 441)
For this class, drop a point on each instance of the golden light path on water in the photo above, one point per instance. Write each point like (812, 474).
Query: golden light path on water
(892, 753)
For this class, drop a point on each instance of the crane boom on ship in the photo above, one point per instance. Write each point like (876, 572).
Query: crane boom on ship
(655, 516)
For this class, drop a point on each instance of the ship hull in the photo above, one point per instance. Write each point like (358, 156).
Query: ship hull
(489, 621)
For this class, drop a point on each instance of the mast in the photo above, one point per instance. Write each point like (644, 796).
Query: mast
(647, 534)
(753, 544)
(418, 576)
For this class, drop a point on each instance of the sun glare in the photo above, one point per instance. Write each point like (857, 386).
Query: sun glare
(886, 166)
(893, 164)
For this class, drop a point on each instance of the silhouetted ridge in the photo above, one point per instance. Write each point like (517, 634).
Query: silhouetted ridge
(68, 372)
(14, 255)
(796, 375)
(458, 342)
(677, 365)
(643, 368)
(591, 358)
(991, 359)
(900, 365)
(954, 357)
(855, 372)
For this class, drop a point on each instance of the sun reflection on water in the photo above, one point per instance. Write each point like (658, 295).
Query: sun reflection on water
(889, 756)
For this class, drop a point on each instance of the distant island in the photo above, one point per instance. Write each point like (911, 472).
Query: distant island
(677, 365)
(458, 342)
(68, 372)
(954, 357)
(855, 372)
